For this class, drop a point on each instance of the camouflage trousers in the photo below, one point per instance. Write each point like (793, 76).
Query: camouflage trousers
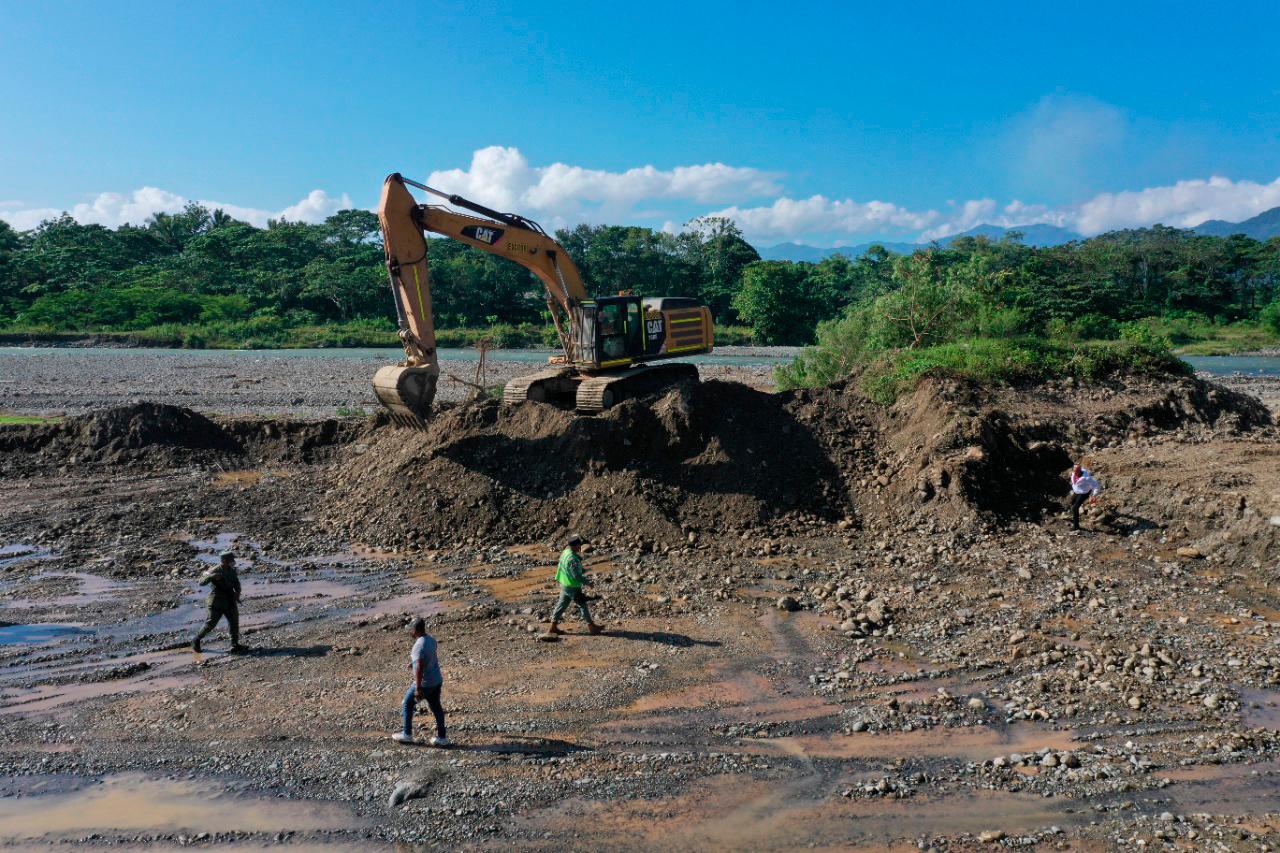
(218, 611)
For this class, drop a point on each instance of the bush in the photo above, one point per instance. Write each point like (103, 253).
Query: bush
(1271, 317)
(1144, 332)
(1026, 360)
(1086, 327)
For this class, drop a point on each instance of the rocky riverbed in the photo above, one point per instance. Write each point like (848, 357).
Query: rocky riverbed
(48, 381)
(917, 652)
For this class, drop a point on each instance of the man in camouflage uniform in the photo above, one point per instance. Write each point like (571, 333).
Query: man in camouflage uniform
(223, 600)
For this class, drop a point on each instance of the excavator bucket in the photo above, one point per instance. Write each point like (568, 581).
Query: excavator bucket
(407, 392)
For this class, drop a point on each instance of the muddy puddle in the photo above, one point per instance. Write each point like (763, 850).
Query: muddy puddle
(731, 813)
(39, 632)
(88, 589)
(1260, 709)
(974, 743)
(1220, 789)
(18, 552)
(131, 803)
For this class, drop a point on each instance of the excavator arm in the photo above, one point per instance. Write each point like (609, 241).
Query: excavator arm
(408, 389)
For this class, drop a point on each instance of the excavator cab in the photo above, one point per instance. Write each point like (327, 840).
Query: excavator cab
(620, 322)
(615, 331)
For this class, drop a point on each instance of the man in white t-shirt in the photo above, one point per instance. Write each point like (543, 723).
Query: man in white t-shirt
(1084, 487)
(427, 682)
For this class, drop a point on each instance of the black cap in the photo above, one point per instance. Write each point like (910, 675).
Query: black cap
(575, 539)
(419, 625)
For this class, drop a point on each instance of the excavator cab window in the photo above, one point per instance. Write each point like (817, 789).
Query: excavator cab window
(621, 327)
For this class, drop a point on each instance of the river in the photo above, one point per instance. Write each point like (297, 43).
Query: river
(1217, 365)
(726, 356)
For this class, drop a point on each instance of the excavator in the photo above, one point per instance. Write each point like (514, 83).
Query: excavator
(608, 343)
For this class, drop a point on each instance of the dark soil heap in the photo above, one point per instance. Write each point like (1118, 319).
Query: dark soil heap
(717, 456)
(157, 435)
(718, 459)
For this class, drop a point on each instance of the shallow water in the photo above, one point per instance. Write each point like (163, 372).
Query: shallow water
(379, 355)
(40, 632)
(134, 803)
(1226, 365)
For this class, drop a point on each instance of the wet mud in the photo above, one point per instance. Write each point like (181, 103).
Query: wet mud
(890, 644)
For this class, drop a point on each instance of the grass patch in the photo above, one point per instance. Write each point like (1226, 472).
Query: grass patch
(27, 420)
(996, 362)
(1197, 335)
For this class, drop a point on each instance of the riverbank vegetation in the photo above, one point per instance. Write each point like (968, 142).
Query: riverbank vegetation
(1008, 313)
(200, 278)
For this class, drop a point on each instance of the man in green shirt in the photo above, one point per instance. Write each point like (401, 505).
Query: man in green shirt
(571, 576)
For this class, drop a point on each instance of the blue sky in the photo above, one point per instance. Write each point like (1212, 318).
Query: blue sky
(819, 123)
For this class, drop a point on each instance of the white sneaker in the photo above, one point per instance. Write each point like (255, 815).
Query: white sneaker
(401, 737)
(440, 741)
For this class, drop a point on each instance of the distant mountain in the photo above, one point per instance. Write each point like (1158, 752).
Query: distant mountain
(1032, 235)
(1264, 226)
(795, 252)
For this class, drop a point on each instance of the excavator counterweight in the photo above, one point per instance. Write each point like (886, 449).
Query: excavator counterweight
(608, 343)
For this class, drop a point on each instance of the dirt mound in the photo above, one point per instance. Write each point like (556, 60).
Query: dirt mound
(967, 450)
(126, 432)
(159, 435)
(717, 456)
(719, 459)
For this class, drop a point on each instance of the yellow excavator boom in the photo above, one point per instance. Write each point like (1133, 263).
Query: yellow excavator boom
(408, 388)
(604, 341)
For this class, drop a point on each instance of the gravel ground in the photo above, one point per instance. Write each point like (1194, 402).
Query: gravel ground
(1265, 388)
(910, 681)
(72, 381)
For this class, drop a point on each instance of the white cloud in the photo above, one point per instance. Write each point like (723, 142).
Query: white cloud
(115, 209)
(1184, 204)
(1063, 143)
(502, 178)
(790, 218)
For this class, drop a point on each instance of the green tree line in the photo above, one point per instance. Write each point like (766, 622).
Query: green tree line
(1002, 311)
(201, 269)
(214, 277)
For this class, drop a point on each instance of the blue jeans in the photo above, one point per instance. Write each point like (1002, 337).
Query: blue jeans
(571, 595)
(432, 695)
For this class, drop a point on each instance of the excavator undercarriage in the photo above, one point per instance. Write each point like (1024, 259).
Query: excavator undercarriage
(610, 343)
(588, 394)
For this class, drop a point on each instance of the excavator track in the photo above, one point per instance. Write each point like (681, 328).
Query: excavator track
(541, 387)
(597, 393)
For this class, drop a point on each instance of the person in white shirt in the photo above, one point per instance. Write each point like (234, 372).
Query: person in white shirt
(426, 685)
(1084, 487)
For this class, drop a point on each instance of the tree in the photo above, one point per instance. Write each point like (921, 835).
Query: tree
(783, 302)
(927, 303)
(175, 230)
(342, 291)
(353, 227)
(720, 254)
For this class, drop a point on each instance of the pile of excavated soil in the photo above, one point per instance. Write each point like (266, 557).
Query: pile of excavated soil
(966, 450)
(713, 460)
(162, 436)
(720, 459)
